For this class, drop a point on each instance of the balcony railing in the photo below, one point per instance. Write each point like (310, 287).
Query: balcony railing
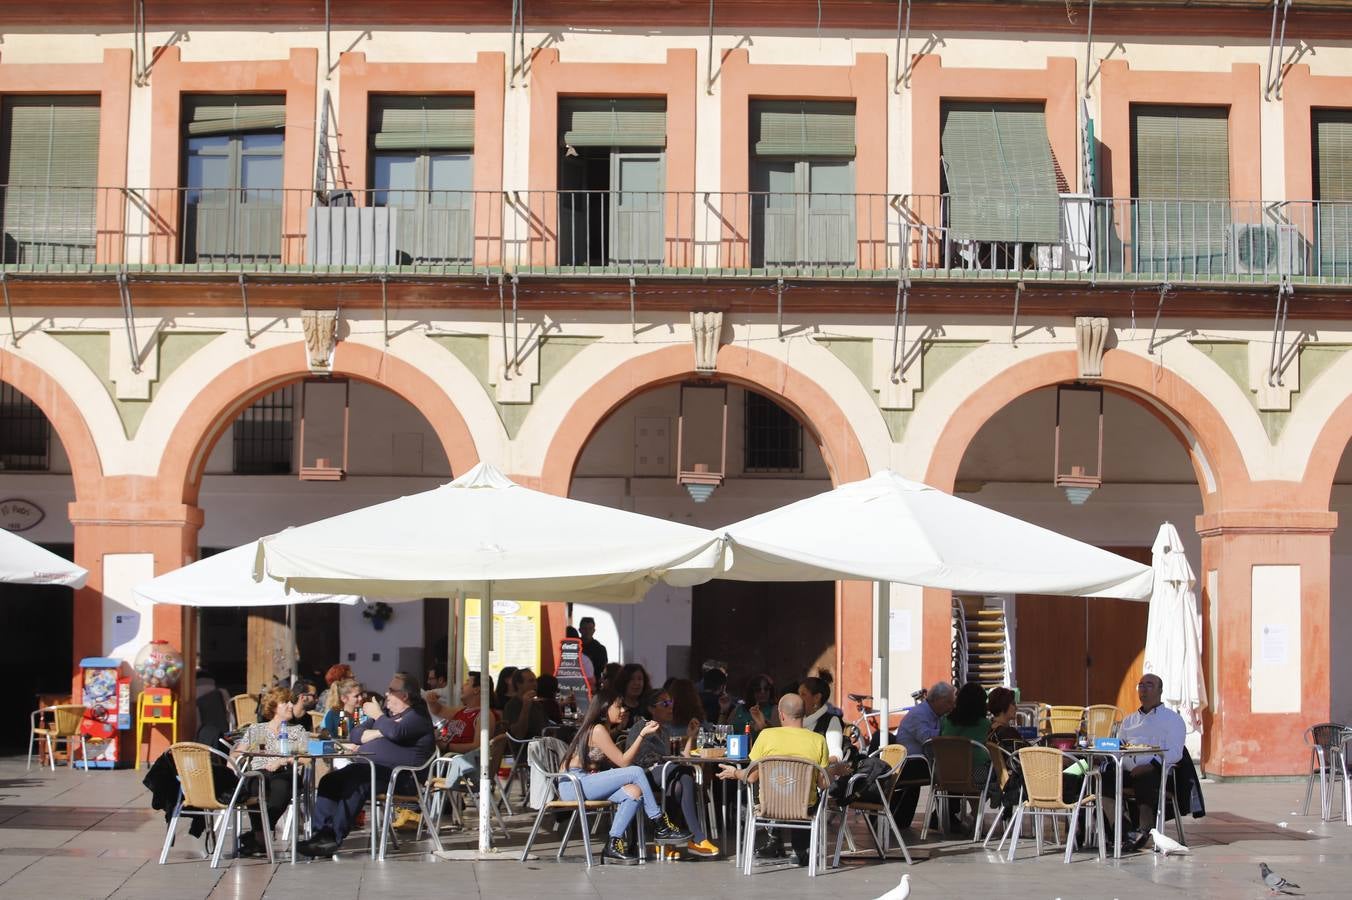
(701, 234)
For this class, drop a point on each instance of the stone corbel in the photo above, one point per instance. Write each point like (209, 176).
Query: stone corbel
(321, 337)
(1091, 340)
(706, 332)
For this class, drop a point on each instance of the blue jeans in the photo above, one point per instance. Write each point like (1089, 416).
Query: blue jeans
(609, 785)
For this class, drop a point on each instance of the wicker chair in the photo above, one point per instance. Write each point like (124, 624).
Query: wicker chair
(1101, 721)
(316, 719)
(1042, 767)
(875, 814)
(64, 726)
(951, 778)
(401, 777)
(787, 796)
(1062, 719)
(1003, 767)
(198, 797)
(244, 707)
(1325, 741)
(580, 808)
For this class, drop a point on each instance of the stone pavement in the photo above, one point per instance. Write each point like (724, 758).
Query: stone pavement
(71, 835)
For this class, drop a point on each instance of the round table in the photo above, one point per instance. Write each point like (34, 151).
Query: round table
(295, 757)
(700, 763)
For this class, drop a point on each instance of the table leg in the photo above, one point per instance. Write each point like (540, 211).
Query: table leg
(737, 852)
(1117, 808)
(374, 827)
(1164, 786)
(295, 810)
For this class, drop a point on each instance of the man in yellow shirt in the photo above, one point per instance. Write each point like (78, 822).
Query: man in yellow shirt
(789, 739)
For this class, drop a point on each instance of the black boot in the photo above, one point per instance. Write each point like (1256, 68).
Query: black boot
(665, 832)
(617, 853)
(322, 844)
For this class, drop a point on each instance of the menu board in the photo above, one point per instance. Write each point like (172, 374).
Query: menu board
(516, 635)
(572, 677)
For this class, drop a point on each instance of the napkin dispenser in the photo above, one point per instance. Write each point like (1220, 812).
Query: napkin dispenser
(321, 748)
(1108, 743)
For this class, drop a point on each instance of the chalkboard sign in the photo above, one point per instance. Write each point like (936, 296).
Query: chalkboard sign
(571, 675)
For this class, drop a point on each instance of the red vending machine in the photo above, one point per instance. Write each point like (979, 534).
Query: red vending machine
(106, 696)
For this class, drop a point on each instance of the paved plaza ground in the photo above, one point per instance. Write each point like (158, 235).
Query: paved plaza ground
(71, 835)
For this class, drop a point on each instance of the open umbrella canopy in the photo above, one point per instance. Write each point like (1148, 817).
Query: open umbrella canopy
(23, 562)
(481, 528)
(1173, 637)
(886, 528)
(225, 579)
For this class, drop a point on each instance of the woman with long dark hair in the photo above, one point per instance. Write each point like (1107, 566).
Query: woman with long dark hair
(632, 684)
(757, 708)
(608, 773)
(818, 715)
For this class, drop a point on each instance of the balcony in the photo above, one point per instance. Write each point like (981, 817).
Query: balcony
(860, 237)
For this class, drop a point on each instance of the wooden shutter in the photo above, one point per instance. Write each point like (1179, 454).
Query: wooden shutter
(613, 122)
(439, 122)
(1000, 173)
(1181, 182)
(802, 128)
(51, 158)
(210, 114)
(1333, 189)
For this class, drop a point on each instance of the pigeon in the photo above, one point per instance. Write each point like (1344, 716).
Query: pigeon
(1165, 845)
(900, 892)
(1275, 883)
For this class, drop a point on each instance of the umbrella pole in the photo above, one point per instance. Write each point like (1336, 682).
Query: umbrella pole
(455, 658)
(485, 720)
(882, 657)
(291, 650)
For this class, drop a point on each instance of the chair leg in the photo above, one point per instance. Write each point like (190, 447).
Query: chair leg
(568, 833)
(424, 804)
(930, 803)
(999, 813)
(51, 752)
(586, 832)
(1309, 783)
(1037, 833)
(1015, 824)
(840, 835)
(221, 831)
(84, 753)
(169, 832)
(1070, 831)
(1099, 832)
(535, 830)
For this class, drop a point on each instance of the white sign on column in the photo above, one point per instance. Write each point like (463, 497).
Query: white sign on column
(127, 625)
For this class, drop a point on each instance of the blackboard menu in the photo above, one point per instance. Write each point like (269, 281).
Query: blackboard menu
(572, 677)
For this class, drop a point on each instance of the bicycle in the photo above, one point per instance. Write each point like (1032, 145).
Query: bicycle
(863, 731)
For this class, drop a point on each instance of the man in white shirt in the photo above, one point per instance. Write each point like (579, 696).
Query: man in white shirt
(1154, 725)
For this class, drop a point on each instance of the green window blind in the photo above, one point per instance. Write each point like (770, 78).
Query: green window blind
(613, 122)
(212, 114)
(1001, 176)
(802, 128)
(50, 152)
(441, 122)
(1181, 182)
(1333, 189)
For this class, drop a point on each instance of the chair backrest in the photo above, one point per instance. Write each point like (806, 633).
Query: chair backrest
(546, 755)
(246, 710)
(1325, 734)
(787, 787)
(894, 755)
(316, 719)
(1029, 714)
(999, 765)
(497, 749)
(1101, 720)
(193, 762)
(1064, 719)
(1041, 768)
(66, 719)
(952, 761)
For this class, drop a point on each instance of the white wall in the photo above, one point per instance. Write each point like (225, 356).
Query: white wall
(360, 643)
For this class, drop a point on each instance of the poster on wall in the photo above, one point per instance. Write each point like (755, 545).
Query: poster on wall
(516, 635)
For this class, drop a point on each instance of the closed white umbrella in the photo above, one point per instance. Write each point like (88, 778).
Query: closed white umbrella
(23, 562)
(486, 535)
(1173, 637)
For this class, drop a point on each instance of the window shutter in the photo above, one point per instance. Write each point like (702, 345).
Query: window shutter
(613, 122)
(443, 122)
(802, 128)
(1000, 173)
(1181, 179)
(51, 155)
(1333, 189)
(213, 114)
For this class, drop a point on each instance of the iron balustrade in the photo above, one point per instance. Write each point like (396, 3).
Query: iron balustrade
(832, 236)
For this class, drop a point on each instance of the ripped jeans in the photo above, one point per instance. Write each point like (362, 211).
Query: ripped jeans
(609, 785)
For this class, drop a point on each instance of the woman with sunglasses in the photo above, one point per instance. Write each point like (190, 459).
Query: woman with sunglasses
(758, 709)
(652, 751)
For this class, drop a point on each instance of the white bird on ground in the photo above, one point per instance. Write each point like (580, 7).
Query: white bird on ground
(900, 892)
(1166, 845)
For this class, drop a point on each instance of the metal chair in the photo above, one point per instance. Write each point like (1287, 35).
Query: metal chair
(197, 797)
(876, 814)
(386, 802)
(1042, 767)
(1003, 767)
(1325, 741)
(441, 788)
(65, 723)
(580, 808)
(1101, 721)
(951, 778)
(1030, 714)
(789, 793)
(520, 749)
(244, 707)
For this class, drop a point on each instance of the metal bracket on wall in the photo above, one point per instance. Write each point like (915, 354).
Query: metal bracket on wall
(903, 57)
(1280, 359)
(518, 38)
(4, 287)
(248, 328)
(129, 316)
(633, 314)
(1014, 323)
(510, 362)
(709, 72)
(1088, 47)
(900, 358)
(385, 307)
(1165, 288)
(1272, 84)
(779, 307)
(140, 57)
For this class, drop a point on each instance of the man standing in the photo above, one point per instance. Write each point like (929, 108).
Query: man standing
(593, 649)
(920, 725)
(790, 739)
(1152, 725)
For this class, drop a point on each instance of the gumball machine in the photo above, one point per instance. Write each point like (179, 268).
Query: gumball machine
(159, 666)
(106, 696)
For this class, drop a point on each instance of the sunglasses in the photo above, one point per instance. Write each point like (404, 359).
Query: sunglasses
(664, 703)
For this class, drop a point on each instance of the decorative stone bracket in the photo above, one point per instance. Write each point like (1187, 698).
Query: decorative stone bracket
(706, 332)
(1091, 340)
(321, 337)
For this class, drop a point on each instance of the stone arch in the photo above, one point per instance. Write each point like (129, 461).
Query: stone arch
(230, 392)
(61, 410)
(1325, 455)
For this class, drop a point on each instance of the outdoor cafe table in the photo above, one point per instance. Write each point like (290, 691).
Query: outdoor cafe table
(711, 763)
(295, 757)
(1115, 757)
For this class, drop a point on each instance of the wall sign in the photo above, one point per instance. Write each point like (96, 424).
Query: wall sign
(19, 515)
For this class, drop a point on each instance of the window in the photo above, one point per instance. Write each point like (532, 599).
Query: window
(612, 178)
(264, 435)
(25, 433)
(422, 168)
(1332, 141)
(233, 178)
(802, 182)
(49, 159)
(1181, 185)
(773, 437)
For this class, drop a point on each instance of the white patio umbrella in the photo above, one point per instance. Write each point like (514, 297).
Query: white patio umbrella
(226, 579)
(1173, 637)
(486, 535)
(24, 562)
(888, 529)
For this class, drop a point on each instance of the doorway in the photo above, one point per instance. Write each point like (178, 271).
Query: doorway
(783, 629)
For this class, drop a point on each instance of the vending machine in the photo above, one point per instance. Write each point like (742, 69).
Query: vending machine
(106, 696)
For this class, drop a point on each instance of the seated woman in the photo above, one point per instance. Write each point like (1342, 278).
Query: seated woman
(968, 720)
(609, 773)
(547, 692)
(758, 707)
(1003, 709)
(686, 703)
(655, 746)
(277, 708)
(633, 685)
(344, 709)
(819, 717)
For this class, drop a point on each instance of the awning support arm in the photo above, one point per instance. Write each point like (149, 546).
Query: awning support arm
(1278, 361)
(1088, 47)
(244, 298)
(1165, 288)
(129, 316)
(518, 36)
(779, 306)
(1014, 323)
(633, 314)
(385, 307)
(1272, 85)
(903, 58)
(4, 287)
(900, 359)
(709, 74)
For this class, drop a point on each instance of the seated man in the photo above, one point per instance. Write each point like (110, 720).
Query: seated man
(398, 735)
(306, 697)
(920, 725)
(462, 729)
(1153, 725)
(790, 739)
(525, 713)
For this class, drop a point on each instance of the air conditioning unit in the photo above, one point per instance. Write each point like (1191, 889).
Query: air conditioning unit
(351, 235)
(1265, 250)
